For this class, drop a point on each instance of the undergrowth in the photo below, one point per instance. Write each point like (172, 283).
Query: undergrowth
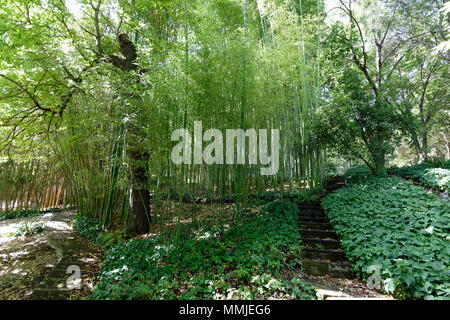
(88, 228)
(302, 197)
(427, 174)
(399, 227)
(249, 261)
(20, 214)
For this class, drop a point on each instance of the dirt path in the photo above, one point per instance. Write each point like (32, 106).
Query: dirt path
(74, 252)
(30, 265)
(24, 261)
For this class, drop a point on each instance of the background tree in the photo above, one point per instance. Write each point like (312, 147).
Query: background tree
(369, 96)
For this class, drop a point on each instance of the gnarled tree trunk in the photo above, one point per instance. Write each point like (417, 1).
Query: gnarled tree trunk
(139, 217)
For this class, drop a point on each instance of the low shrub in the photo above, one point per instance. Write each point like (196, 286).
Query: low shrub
(412, 172)
(357, 174)
(436, 178)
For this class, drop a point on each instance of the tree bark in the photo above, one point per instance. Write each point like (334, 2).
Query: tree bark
(380, 163)
(425, 145)
(139, 217)
(417, 147)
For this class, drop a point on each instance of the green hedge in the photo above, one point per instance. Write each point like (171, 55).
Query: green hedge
(390, 222)
(244, 262)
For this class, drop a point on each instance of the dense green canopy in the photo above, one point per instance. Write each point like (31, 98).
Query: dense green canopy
(94, 90)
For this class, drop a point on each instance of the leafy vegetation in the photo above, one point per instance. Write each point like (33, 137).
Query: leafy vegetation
(246, 261)
(19, 214)
(357, 174)
(104, 83)
(428, 174)
(28, 229)
(436, 178)
(302, 197)
(385, 81)
(88, 228)
(393, 224)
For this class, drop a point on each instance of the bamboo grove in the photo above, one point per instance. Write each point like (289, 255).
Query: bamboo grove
(230, 64)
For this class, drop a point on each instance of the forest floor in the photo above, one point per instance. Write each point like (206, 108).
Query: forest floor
(336, 288)
(24, 261)
(207, 214)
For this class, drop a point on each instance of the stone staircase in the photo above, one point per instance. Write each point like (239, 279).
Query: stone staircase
(322, 255)
(323, 259)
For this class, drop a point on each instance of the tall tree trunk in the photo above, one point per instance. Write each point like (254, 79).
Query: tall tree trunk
(139, 217)
(419, 150)
(380, 162)
(139, 212)
(425, 145)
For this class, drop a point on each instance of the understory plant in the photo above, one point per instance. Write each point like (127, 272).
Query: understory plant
(19, 214)
(398, 227)
(245, 261)
(432, 175)
(28, 229)
(88, 228)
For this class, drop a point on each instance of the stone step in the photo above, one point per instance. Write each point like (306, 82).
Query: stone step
(310, 209)
(315, 225)
(328, 294)
(313, 219)
(321, 244)
(335, 179)
(50, 294)
(311, 212)
(321, 234)
(63, 264)
(315, 205)
(61, 271)
(325, 254)
(334, 187)
(331, 269)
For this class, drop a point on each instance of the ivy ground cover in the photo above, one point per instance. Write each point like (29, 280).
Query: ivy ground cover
(249, 261)
(400, 228)
(428, 174)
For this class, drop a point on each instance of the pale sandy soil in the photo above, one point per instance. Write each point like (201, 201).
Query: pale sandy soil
(24, 261)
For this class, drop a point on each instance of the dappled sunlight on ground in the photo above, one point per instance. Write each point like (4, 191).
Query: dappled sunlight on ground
(23, 260)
